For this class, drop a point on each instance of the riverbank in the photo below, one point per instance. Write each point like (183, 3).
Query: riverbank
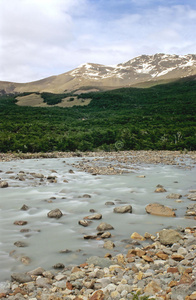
(155, 267)
(162, 268)
(141, 156)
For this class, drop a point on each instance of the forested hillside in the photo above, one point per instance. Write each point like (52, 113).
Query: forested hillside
(161, 117)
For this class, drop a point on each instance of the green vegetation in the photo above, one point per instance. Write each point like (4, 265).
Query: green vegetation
(161, 117)
(136, 296)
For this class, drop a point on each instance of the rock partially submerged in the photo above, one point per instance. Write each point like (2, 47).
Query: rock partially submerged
(174, 196)
(160, 210)
(4, 184)
(123, 209)
(104, 226)
(55, 213)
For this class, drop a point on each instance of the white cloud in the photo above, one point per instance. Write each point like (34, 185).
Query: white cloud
(39, 38)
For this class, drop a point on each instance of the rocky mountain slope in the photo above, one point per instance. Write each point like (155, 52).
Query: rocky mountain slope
(141, 71)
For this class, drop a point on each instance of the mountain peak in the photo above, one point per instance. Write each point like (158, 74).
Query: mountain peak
(143, 69)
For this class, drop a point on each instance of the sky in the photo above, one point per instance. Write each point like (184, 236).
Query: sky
(41, 38)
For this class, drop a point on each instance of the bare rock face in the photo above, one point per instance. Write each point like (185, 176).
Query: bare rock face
(169, 236)
(104, 226)
(123, 209)
(159, 210)
(55, 213)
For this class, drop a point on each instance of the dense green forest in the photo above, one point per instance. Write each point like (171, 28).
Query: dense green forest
(161, 117)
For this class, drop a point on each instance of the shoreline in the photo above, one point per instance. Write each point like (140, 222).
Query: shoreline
(159, 156)
(164, 270)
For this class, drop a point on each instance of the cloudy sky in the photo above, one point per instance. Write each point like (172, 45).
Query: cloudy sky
(40, 38)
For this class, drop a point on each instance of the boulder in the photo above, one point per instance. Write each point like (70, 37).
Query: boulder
(169, 236)
(123, 209)
(104, 226)
(55, 213)
(174, 196)
(160, 210)
(21, 277)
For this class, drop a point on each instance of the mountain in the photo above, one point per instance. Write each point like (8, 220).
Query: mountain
(142, 71)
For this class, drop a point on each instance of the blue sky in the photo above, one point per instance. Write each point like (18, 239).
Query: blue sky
(40, 38)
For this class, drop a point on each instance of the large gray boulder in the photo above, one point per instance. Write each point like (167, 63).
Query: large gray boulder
(21, 277)
(169, 236)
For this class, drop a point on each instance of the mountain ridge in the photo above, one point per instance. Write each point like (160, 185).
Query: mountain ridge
(144, 69)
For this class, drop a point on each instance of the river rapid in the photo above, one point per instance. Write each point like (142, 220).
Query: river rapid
(47, 238)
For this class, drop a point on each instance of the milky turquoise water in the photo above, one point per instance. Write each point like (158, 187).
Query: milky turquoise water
(47, 237)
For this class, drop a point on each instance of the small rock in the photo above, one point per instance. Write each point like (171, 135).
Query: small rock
(59, 266)
(37, 271)
(21, 277)
(42, 282)
(108, 245)
(137, 236)
(94, 217)
(104, 226)
(20, 223)
(86, 196)
(160, 190)
(109, 203)
(98, 295)
(25, 260)
(123, 209)
(24, 207)
(192, 196)
(141, 176)
(55, 213)
(152, 288)
(20, 244)
(84, 223)
(106, 235)
(174, 196)
(4, 184)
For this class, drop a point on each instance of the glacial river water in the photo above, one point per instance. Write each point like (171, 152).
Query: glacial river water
(47, 237)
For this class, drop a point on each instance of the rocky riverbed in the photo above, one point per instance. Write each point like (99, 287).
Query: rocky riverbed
(107, 203)
(163, 268)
